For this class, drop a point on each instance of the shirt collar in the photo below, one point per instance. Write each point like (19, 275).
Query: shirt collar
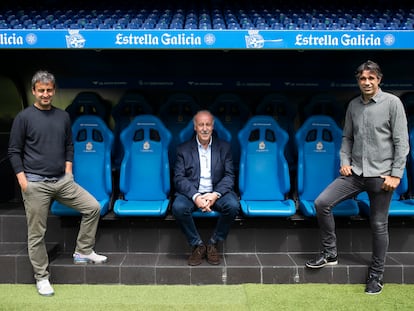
(199, 144)
(374, 98)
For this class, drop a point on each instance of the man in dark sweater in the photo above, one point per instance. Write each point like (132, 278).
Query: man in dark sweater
(41, 154)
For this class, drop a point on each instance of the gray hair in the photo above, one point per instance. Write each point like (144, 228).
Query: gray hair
(43, 77)
(202, 111)
(370, 66)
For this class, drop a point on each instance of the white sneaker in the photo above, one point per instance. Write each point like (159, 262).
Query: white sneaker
(44, 288)
(91, 258)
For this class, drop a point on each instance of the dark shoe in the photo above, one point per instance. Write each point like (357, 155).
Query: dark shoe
(322, 261)
(213, 257)
(374, 285)
(197, 255)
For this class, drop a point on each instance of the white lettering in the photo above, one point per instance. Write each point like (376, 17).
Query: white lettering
(146, 39)
(12, 39)
(360, 40)
(344, 40)
(180, 39)
(311, 40)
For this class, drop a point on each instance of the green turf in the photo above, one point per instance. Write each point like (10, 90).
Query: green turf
(207, 297)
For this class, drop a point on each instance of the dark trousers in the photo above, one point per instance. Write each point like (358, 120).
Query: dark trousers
(345, 187)
(228, 207)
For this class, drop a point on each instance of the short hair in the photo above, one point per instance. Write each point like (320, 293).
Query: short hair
(43, 77)
(370, 66)
(202, 111)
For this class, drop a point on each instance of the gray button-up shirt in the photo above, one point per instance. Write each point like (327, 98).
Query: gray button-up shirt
(375, 136)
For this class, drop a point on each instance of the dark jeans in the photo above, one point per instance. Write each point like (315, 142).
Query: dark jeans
(228, 207)
(345, 187)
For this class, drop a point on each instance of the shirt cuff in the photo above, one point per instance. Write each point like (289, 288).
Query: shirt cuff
(195, 196)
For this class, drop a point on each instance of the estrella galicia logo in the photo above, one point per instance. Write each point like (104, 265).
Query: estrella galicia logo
(209, 39)
(389, 39)
(31, 39)
(75, 39)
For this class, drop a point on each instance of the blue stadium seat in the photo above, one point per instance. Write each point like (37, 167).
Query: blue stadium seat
(93, 141)
(284, 112)
(233, 113)
(175, 113)
(128, 107)
(318, 142)
(324, 104)
(408, 101)
(264, 181)
(219, 130)
(145, 170)
(188, 132)
(410, 163)
(399, 206)
(89, 103)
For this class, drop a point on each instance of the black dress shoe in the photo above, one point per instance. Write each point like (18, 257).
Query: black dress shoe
(322, 261)
(374, 285)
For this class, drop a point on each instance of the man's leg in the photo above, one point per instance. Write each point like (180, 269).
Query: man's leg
(228, 206)
(182, 209)
(36, 199)
(379, 208)
(342, 188)
(71, 194)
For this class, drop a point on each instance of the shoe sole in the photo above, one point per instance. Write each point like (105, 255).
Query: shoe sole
(376, 293)
(214, 263)
(331, 263)
(46, 295)
(85, 262)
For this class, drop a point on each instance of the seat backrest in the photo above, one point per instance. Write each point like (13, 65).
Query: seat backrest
(398, 192)
(175, 113)
(410, 161)
(233, 113)
(284, 112)
(264, 172)
(130, 105)
(145, 170)
(93, 141)
(188, 132)
(325, 104)
(408, 101)
(280, 108)
(318, 143)
(89, 103)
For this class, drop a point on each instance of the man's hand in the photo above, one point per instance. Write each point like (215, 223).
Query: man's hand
(21, 178)
(390, 183)
(202, 203)
(206, 201)
(346, 170)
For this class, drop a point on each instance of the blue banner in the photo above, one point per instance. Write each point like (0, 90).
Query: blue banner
(205, 39)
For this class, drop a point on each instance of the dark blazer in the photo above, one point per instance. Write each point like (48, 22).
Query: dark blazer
(187, 167)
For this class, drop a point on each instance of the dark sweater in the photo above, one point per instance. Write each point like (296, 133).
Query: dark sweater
(41, 141)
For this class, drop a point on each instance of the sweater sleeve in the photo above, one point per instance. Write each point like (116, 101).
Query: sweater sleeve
(16, 144)
(69, 150)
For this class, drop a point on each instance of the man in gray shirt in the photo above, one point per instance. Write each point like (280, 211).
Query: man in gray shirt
(373, 157)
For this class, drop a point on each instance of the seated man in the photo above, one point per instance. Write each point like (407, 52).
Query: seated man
(204, 180)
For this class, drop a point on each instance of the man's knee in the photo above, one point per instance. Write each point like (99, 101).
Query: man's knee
(180, 208)
(232, 208)
(321, 205)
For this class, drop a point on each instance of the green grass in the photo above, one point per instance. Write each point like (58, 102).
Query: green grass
(207, 297)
